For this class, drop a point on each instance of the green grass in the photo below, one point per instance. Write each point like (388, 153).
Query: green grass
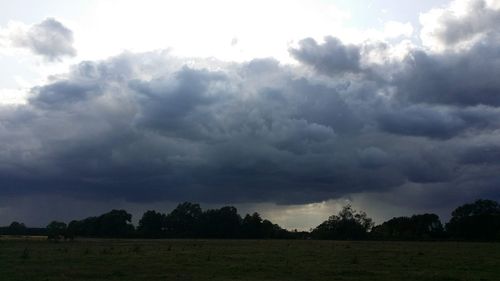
(246, 260)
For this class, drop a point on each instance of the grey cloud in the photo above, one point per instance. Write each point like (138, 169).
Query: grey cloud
(438, 122)
(331, 58)
(421, 121)
(63, 93)
(373, 157)
(464, 79)
(147, 127)
(172, 105)
(50, 39)
(478, 20)
(429, 167)
(188, 133)
(486, 154)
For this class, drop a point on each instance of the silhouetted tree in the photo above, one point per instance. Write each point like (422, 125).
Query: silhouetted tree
(184, 221)
(427, 226)
(152, 225)
(475, 221)
(221, 223)
(116, 223)
(56, 230)
(347, 225)
(271, 230)
(416, 227)
(251, 226)
(17, 228)
(73, 229)
(88, 227)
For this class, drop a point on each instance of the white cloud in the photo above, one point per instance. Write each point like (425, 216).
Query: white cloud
(12, 29)
(49, 39)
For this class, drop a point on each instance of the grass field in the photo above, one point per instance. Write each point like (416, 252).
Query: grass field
(31, 260)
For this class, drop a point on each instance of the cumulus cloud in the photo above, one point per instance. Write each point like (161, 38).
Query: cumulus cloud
(465, 79)
(49, 39)
(332, 57)
(460, 24)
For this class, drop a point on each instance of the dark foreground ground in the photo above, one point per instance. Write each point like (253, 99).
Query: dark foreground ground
(246, 260)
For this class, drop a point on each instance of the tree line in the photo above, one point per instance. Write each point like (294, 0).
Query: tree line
(477, 221)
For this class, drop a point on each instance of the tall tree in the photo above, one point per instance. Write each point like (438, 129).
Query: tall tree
(425, 226)
(252, 226)
(221, 223)
(152, 225)
(116, 223)
(348, 224)
(476, 221)
(56, 230)
(17, 228)
(184, 221)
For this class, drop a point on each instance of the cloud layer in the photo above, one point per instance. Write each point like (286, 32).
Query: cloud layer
(349, 119)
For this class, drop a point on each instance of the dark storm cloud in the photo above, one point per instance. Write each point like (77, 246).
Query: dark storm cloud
(464, 78)
(50, 39)
(144, 128)
(483, 154)
(428, 166)
(188, 133)
(62, 93)
(373, 157)
(332, 57)
(421, 121)
(152, 127)
(172, 106)
(437, 121)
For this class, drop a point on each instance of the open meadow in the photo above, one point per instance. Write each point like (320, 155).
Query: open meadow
(100, 259)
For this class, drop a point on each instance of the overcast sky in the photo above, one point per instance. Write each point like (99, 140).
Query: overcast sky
(288, 108)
